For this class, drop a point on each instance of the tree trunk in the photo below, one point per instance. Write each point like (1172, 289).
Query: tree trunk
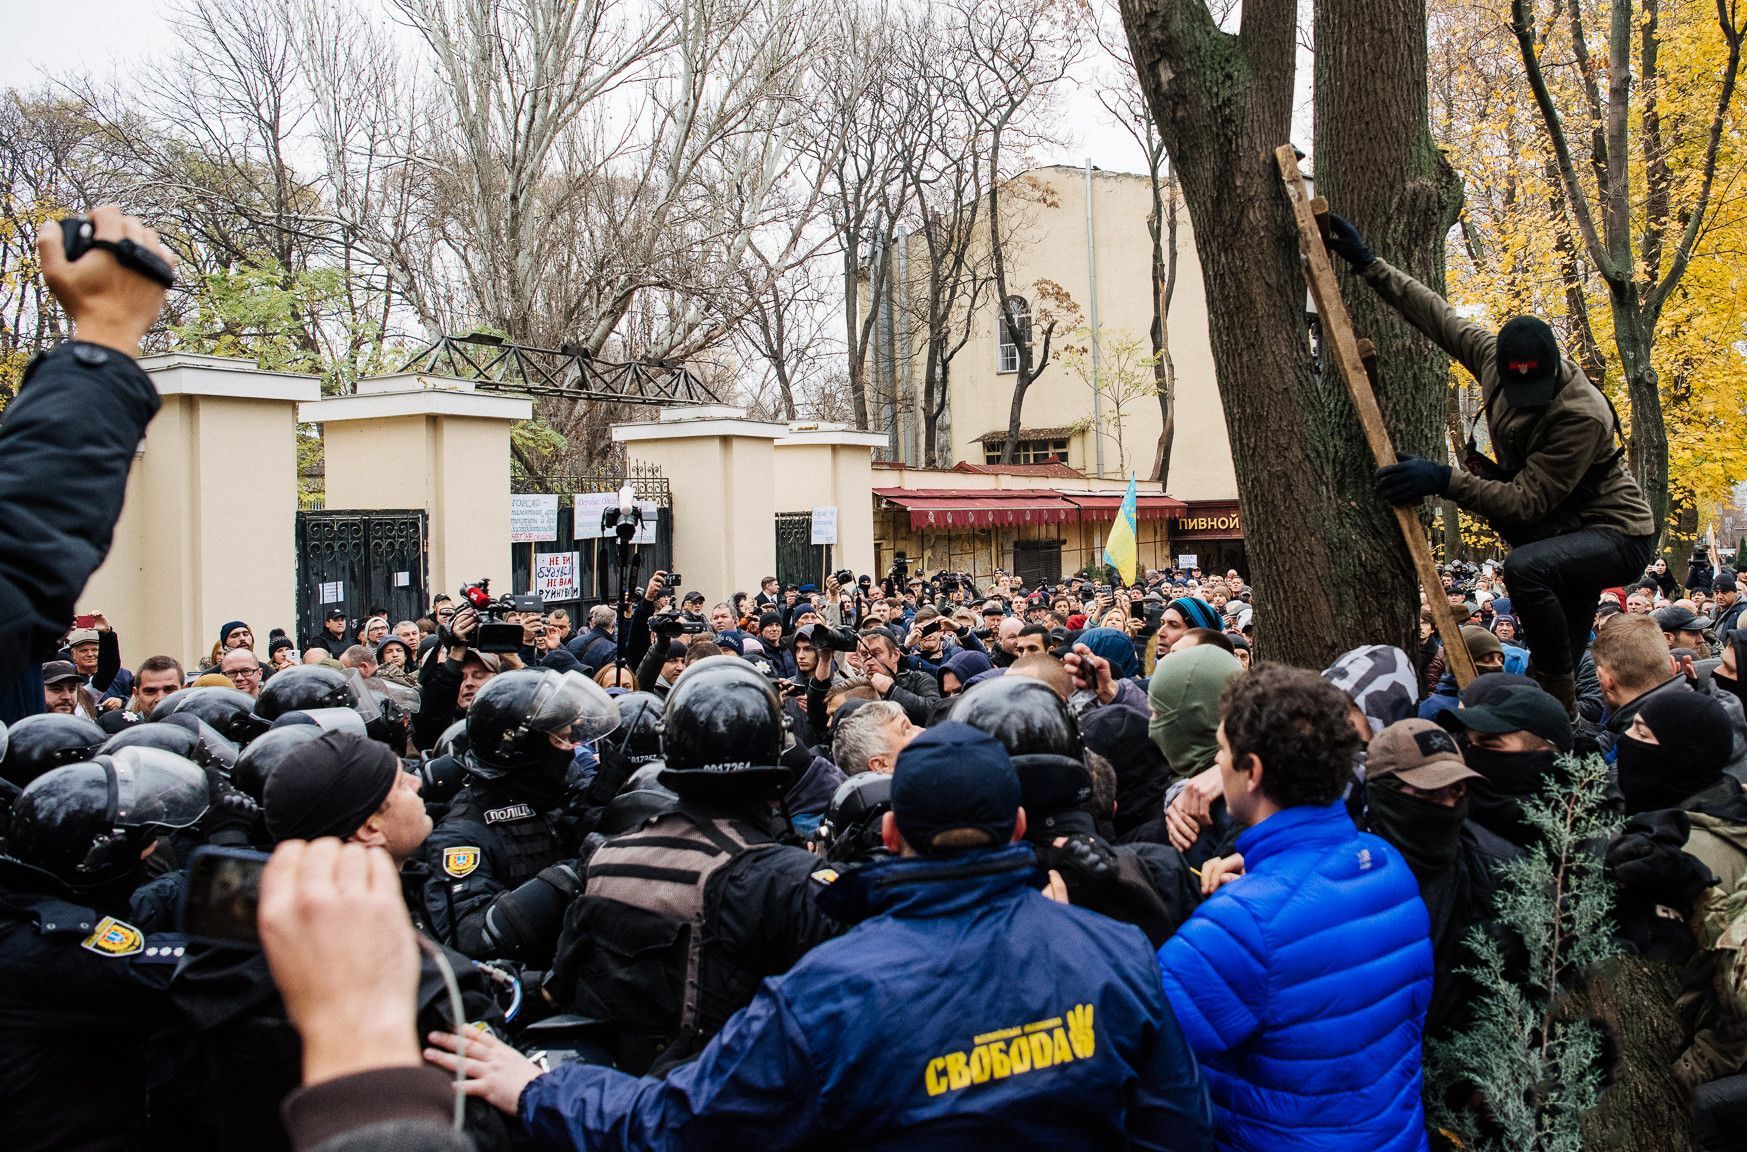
(1377, 166)
(1223, 103)
(853, 322)
(1164, 276)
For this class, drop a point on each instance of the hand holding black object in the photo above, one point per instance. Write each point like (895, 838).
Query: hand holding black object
(1086, 864)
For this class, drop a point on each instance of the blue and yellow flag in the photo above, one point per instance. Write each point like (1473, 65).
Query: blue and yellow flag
(1119, 546)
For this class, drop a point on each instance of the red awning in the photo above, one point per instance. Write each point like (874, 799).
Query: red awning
(936, 508)
(1145, 507)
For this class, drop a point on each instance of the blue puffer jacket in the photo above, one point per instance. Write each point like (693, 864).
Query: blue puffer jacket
(1303, 987)
(969, 1011)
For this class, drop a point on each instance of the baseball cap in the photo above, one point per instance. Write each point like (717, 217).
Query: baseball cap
(1489, 686)
(1678, 619)
(692, 597)
(1518, 710)
(81, 636)
(336, 614)
(55, 671)
(1419, 754)
(954, 776)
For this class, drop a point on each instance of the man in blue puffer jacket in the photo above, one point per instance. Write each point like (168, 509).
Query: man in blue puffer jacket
(964, 1010)
(1302, 984)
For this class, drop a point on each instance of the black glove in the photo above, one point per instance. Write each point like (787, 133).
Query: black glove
(1087, 866)
(1411, 480)
(1344, 241)
(1646, 861)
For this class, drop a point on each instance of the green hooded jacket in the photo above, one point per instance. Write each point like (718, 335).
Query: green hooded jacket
(1184, 693)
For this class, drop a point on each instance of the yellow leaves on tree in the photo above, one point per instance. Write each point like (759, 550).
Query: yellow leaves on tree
(1520, 247)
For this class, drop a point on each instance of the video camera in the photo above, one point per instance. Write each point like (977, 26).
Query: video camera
(492, 634)
(667, 625)
(828, 639)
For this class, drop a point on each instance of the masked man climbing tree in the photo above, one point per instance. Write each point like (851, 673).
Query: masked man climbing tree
(1559, 492)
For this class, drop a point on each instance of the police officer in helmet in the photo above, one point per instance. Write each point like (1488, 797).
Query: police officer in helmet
(1147, 885)
(681, 918)
(510, 822)
(85, 986)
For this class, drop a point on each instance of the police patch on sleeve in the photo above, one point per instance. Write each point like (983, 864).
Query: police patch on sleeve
(459, 862)
(114, 937)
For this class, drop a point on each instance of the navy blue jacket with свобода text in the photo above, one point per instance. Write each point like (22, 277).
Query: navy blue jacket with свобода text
(965, 1010)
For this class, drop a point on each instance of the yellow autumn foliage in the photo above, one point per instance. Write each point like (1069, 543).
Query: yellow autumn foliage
(1518, 249)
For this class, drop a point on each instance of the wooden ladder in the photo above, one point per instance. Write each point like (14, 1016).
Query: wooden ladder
(1356, 360)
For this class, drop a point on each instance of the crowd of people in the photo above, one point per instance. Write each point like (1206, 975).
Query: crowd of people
(782, 863)
(909, 861)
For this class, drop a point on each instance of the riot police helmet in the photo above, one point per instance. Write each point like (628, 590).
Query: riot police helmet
(522, 717)
(1041, 736)
(87, 823)
(231, 712)
(265, 753)
(722, 732)
(48, 740)
(185, 734)
(851, 830)
(638, 736)
(1025, 715)
(302, 688)
(327, 719)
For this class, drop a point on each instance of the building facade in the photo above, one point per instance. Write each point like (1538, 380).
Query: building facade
(1079, 249)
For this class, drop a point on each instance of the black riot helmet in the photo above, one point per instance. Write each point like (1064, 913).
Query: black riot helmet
(48, 740)
(1039, 733)
(722, 732)
(185, 734)
(85, 824)
(642, 796)
(302, 688)
(231, 712)
(850, 831)
(1025, 715)
(265, 753)
(638, 736)
(515, 718)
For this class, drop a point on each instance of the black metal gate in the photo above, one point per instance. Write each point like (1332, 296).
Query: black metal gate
(357, 560)
(598, 560)
(798, 559)
(1036, 561)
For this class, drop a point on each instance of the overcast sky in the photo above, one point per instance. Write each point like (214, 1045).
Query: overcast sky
(45, 38)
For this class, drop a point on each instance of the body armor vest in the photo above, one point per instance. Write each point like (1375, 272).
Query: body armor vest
(525, 842)
(642, 916)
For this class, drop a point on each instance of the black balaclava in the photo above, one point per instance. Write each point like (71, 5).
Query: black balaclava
(1495, 802)
(1426, 834)
(1736, 687)
(1693, 743)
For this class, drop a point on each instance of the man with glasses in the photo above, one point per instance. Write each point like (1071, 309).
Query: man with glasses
(243, 670)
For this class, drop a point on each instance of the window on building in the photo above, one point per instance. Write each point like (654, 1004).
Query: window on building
(1028, 452)
(1006, 351)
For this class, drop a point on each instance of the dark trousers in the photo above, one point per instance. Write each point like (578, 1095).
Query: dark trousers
(1554, 585)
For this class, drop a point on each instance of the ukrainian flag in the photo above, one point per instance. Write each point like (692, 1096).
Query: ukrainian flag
(1119, 546)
